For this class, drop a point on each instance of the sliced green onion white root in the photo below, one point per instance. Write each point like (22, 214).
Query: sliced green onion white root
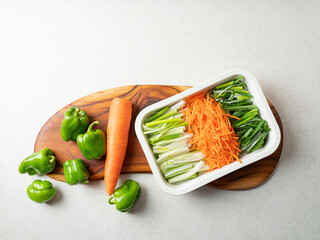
(171, 154)
(187, 174)
(171, 144)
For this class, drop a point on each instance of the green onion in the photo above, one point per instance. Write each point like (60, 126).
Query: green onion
(174, 145)
(161, 136)
(165, 131)
(234, 108)
(171, 154)
(187, 174)
(235, 99)
(167, 166)
(158, 114)
(224, 85)
(166, 115)
(154, 123)
(176, 171)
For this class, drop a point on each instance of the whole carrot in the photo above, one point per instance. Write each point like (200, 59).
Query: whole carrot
(120, 114)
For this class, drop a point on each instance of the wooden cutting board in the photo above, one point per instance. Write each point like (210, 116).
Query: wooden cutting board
(97, 107)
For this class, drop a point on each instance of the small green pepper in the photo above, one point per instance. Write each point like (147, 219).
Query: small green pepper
(92, 144)
(74, 123)
(41, 162)
(41, 191)
(126, 196)
(75, 172)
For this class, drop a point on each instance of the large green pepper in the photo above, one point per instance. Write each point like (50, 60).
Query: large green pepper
(74, 123)
(75, 172)
(41, 162)
(41, 191)
(92, 144)
(126, 196)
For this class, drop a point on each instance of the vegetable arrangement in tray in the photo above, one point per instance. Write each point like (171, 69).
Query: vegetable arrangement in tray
(205, 132)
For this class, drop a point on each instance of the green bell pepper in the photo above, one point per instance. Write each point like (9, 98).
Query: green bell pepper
(75, 172)
(41, 191)
(41, 162)
(92, 144)
(126, 196)
(74, 123)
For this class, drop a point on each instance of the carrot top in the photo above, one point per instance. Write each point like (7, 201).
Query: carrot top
(212, 132)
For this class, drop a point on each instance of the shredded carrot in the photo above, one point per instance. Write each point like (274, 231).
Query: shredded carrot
(233, 116)
(212, 132)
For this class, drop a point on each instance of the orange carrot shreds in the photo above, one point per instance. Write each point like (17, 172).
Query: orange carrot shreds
(212, 132)
(233, 116)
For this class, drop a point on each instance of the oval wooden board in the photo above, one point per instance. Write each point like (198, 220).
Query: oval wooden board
(97, 107)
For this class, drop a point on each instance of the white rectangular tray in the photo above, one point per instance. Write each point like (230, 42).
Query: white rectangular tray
(206, 177)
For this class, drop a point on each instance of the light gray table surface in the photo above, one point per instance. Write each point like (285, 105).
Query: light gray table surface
(54, 52)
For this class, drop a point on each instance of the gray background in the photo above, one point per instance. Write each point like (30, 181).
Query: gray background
(54, 52)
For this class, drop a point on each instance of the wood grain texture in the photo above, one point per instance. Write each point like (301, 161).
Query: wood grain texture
(97, 107)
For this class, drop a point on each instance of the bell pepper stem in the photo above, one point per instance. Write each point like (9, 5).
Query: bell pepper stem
(112, 200)
(76, 110)
(52, 159)
(91, 126)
